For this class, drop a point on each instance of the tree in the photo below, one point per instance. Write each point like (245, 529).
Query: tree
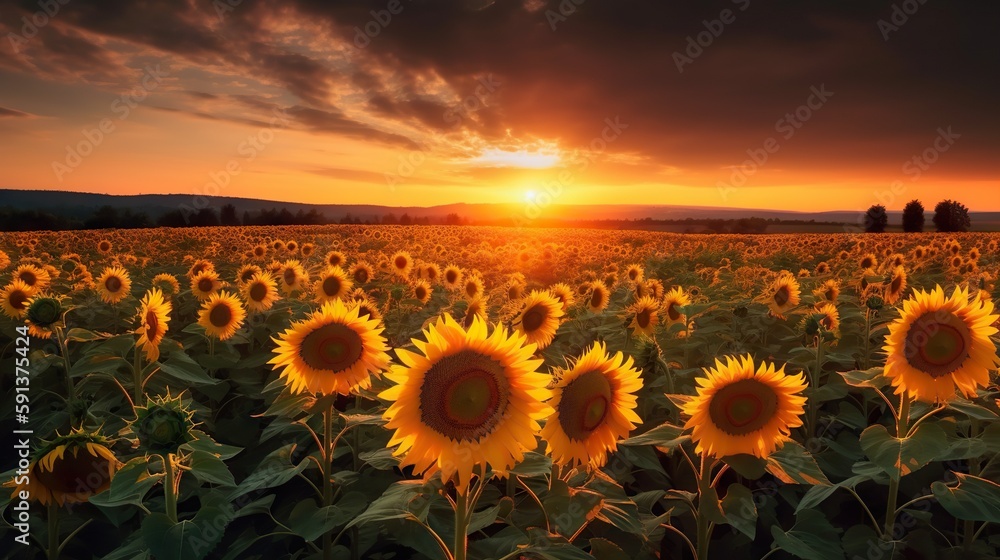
(173, 218)
(951, 216)
(405, 220)
(104, 217)
(228, 217)
(876, 219)
(206, 217)
(913, 216)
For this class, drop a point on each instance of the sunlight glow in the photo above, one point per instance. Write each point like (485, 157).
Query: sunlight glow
(494, 157)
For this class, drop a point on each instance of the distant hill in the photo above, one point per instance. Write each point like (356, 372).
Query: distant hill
(79, 206)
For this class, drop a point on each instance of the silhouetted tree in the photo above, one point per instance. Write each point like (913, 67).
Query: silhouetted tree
(206, 217)
(389, 219)
(405, 220)
(453, 219)
(228, 217)
(246, 218)
(876, 219)
(951, 216)
(913, 216)
(173, 218)
(104, 217)
(133, 220)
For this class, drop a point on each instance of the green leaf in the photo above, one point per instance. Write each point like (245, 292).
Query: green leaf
(311, 522)
(811, 538)
(204, 442)
(97, 363)
(276, 469)
(182, 368)
(873, 378)
(901, 456)
(569, 508)
(382, 459)
(974, 499)
(191, 539)
(972, 410)
(399, 501)
(665, 437)
(793, 464)
(206, 467)
(83, 335)
(128, 487)
(551, 547)
(818, 494)
(483, 519)
(534, 464)
(740, 510)
(746, 465)
(607, 550)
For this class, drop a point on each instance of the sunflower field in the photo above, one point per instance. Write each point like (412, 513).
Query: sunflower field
(453, 393)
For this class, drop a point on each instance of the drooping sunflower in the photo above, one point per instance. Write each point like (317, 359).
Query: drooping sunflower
(473, 286)
(939, 343)
(468, 399)
(14, 299)
(422, 291)
(332, 284)
(367, 309)
(634, 273)
(896, 285)
(154, 315)
(739, 410)
(830, 316)
(868, 263)
(204, 284)
(260, 292)
(69, 469)
(539, 318)
(645, 314)
(333, 351)
(828, 291)
(598, 297)
(594, 405)
(783, 295)
(114, 284)
(452, 277)
(402, 264)
(168, 284)
(221, 315)
(564, 294)
(362, 273)
(475, 308)
(673, 301)
(199, 266)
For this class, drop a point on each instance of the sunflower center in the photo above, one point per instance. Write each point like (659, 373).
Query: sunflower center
(220, 315)
(464, 396)
(248, 275)
(258, 291)
(333, 347)
(289, 276)
(205, 285)
(743, 407)
(782, 296)
(471, 289)
(331, 286)
(534, 318)
(938, 345)
(18, 299)
(643, 317)
(829, 294)
(451, 276)
(420, 292)
(400, 262)
(361, 276)
(596, 298)
(28, 277)
(364, 311)
(78, 472)
(584, 405)
(152, 324)
(896, 283)
(113, 284)
(673, 313)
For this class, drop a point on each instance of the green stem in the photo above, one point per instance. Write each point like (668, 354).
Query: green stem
(328, 475)
(53, 521)
(64, 350)
(461, 523)
(137, 378)
(901, 430)
(704, 529)
(868, 330)
(969, 529)
(169, 486)
(813, 410)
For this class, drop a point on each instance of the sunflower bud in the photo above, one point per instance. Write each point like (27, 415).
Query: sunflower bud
(43, 311)
(811, 325)
(397, 294)
(740, 311)
(875, 303)
(163, 425)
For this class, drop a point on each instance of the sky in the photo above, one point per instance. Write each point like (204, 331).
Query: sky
(732, 103)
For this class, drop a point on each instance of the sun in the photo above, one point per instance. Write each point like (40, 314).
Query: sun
(529, 195)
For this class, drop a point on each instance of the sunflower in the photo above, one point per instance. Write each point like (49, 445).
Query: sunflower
(868, 262)
(367, 309)
(475, 308)
(4, 260)
(402, 264)
(564, 294)
(69, 469)
(104, 247)
(221, 315)
(645, 314)
(673, 301)
(594, 405)
(114, 284)
(14, 299)
(896, 285)
(430, 272)
(422, 291)
(259, 251)
(783, 295)
(634, 273)
(362, 273)
(468, 399)
(334, 350)
(199, 266)
(598, 296)
(260, 292)
(939, 343)
(336, 258)
(204, 284)
(293, 277)
(36, 278)
(452, 277)
(828, 291)
(307, 249)
(168, 284)
(246, 272)
(742, 411)
(153, 316)
(473, 286)
(332, 284)
(539, 318)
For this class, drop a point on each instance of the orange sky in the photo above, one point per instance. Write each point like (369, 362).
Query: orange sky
(297, 112)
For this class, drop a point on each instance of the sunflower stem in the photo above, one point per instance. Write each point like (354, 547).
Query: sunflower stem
(704, 528)
(868, 334)
(53, 522)
(169, 486)
(969, 529)
(813, 411)
(137, 377)
(461, 523)
(902, 427)
(328, 477)
(64, 350)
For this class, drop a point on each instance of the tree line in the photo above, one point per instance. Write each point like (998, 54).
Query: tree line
(949, 216)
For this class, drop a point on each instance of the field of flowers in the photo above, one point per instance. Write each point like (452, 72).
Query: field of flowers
(470, 393)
